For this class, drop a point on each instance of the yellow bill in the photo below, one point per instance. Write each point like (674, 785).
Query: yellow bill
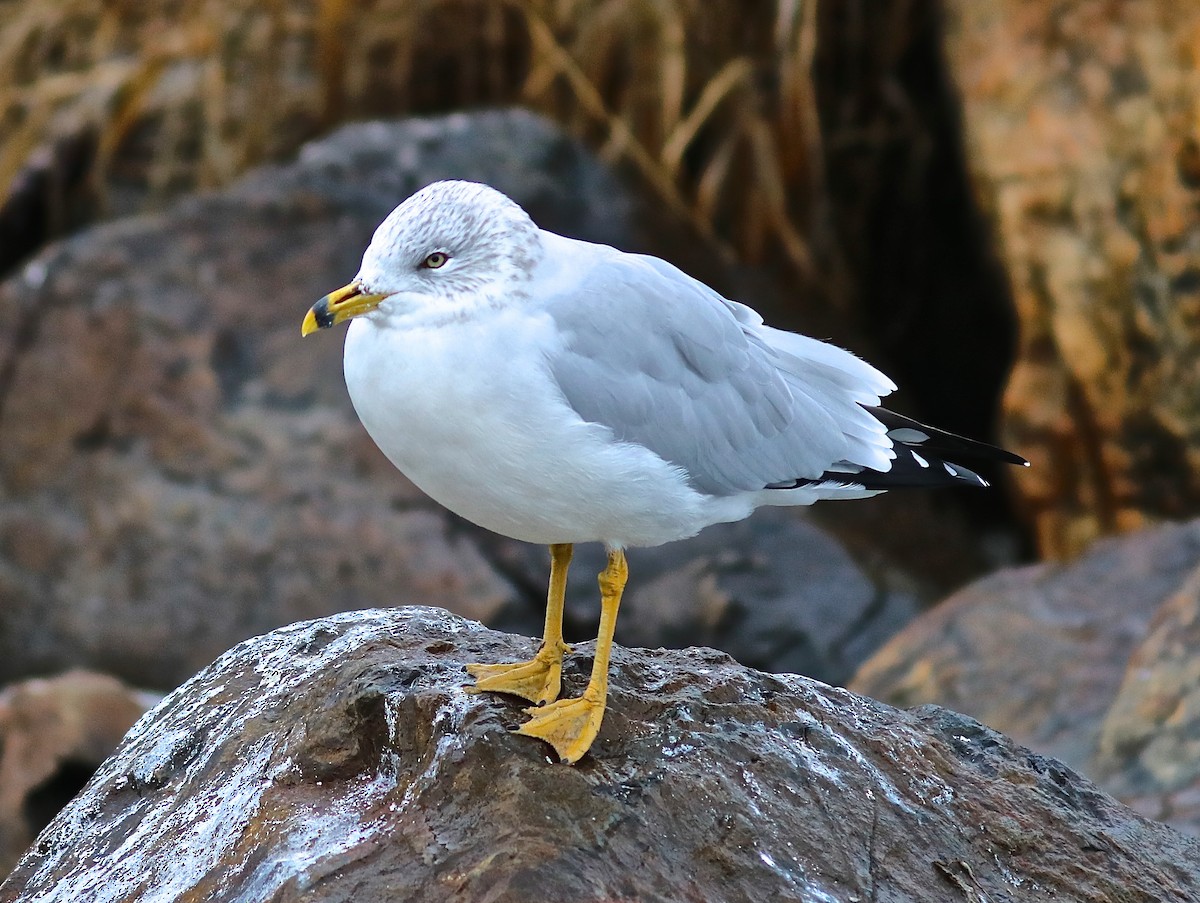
(347, 302)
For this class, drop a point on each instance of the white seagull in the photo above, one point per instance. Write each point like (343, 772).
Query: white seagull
(558, 391)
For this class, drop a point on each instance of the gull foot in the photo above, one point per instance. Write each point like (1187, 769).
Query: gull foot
(569, 725)
(537, 680)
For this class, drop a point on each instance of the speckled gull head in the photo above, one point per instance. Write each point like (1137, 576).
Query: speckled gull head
(450, 248)
(557, 391)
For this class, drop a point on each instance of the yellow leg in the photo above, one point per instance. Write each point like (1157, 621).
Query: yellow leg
(570, 725)
(538, 679)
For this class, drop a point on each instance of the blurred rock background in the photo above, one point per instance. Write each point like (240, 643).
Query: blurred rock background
(993, 201)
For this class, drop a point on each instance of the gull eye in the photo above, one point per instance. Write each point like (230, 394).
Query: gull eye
(435, 260)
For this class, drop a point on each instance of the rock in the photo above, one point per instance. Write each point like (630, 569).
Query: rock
(1148, 752)
(1081, 126)
(773, 591)
(54, 732)
(339, 759)
(179, 471)
(1041, 654)
(745, 126)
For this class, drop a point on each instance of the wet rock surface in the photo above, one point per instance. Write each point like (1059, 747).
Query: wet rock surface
(339, 759)
(1092, 662)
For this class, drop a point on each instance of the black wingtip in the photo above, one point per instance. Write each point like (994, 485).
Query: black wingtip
(947, 445)
(925, 458)
(1004, 455)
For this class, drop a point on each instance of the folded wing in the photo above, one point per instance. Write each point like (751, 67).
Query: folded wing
(663, 361)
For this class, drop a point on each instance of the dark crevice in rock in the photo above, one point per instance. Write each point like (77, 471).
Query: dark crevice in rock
(232, 360)
(53, 193)
(930, 292)
(345, 740)
(43, 802)
(96, 436)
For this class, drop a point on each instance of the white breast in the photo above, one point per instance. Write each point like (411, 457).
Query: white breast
(468, 412)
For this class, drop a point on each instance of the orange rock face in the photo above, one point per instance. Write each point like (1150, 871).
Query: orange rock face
(1083, 124)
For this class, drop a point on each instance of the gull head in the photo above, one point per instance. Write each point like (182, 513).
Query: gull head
(449, 250)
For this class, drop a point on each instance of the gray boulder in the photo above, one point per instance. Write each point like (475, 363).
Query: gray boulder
(1091, 661)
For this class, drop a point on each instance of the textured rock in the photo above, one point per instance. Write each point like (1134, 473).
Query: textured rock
(1148, 752)
(53, 734)
(1041, 653)
(1081, 120)
(340, 760)
(179, 472)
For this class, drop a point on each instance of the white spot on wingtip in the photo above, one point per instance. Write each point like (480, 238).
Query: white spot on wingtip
(918, 458)
(907, 434)
(35, 274)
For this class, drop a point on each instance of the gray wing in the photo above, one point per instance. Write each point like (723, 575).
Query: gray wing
(665, 362)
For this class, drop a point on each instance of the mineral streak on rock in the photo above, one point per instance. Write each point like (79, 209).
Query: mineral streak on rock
(340, 759)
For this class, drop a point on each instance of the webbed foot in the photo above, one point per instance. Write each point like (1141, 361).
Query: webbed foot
(539, 680)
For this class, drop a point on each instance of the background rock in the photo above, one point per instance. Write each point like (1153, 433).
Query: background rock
(774, 591)
(180, 472)
(1082, 124)
(819, 146)
(1148, 751)
(1088, 662)
(340, 760)
(53, 734)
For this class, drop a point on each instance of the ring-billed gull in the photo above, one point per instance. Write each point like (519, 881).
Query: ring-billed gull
(557, 391)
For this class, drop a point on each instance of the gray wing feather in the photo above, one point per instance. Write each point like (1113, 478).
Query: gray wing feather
(665, 362)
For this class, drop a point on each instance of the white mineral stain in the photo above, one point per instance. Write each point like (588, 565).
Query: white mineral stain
(156, 763)
(813, 760)
(320, 840)
(210, 823)
(449, 718)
